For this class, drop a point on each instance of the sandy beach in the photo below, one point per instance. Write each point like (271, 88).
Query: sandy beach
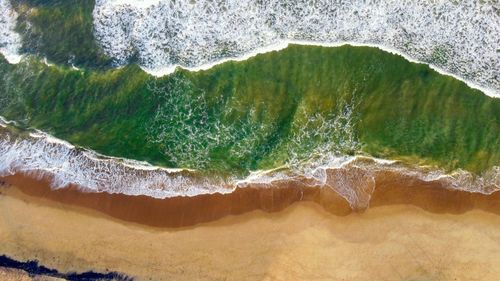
(211, 140)
(394, 239)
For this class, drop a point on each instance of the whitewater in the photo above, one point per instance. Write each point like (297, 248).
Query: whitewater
(43, 156)
(458, 38)
(10, 41)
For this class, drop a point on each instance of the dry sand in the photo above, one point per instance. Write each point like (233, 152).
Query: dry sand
(393, 241)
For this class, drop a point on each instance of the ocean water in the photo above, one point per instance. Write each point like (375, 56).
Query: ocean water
(88, 107)
(10, 41)
(42, 156)
(455, 37)
(460, 37)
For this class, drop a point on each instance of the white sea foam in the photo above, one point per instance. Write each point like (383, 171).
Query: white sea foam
(136, 3)
(162, 71)
(456, 37)
(41, 154)
(354, 178)
(10, 41)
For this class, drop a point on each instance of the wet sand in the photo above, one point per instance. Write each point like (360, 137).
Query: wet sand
(412, 231)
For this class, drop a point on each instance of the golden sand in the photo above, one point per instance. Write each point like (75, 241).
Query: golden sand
(394, 241)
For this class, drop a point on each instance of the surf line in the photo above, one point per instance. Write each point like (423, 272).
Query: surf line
(163, 71)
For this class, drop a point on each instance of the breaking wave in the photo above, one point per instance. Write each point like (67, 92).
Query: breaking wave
(353, 177)
(460, 37)
(10, 41)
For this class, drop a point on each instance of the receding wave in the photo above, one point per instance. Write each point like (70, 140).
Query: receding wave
(40, 154)
(459, 37)
(10, 41)
(352, 177)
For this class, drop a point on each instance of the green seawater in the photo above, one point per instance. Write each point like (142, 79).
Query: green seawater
(61, 31)
(290, 107)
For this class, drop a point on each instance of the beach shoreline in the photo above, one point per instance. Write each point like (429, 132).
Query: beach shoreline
(429, 234)
(391, 188)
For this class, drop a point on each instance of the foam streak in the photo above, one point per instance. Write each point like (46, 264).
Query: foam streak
(353, 178)
(459, 38)
(10, 41)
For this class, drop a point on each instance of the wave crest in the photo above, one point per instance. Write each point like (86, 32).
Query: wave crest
(352, 177)
(459, 37)
(10, 41)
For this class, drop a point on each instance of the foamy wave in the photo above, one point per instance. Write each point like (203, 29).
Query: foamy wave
(10, 41)
(354, 178)
(41, 155)
(460, 38)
